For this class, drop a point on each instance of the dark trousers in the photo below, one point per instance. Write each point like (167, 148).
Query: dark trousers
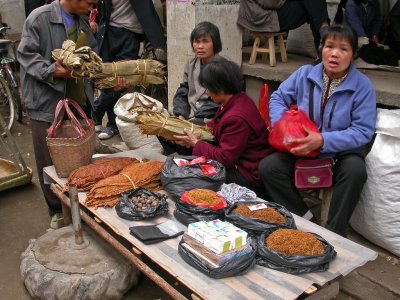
(234, 176)
(295, 13)
(277, 174)
(119, 44)
(43, 159)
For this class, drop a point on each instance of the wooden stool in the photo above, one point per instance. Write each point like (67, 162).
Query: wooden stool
(322, 196)
(270, 47)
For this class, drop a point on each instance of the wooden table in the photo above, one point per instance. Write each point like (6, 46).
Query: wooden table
(258, 283)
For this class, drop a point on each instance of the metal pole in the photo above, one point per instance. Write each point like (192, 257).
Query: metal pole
(76, 217)
(57, 190)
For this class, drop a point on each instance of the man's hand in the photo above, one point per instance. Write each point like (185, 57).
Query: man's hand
(188, 140)
(312, 141)
(94, 27)
(181, 117)
(60, 70)
(375, 40)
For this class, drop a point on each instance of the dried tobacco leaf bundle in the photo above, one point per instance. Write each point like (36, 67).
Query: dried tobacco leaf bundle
(130, 72)
(85, 63)
(86, 176)
(143, 174)
(294, 242)
(156, 123)
(268, 214)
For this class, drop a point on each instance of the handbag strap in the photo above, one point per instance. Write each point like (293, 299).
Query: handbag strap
(311, 102)
(61, 108)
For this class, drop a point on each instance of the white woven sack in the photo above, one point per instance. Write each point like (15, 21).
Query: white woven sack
(300, 41)
(125, 120)
(376, 216)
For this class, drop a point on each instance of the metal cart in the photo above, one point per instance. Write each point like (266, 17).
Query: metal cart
(13, 172)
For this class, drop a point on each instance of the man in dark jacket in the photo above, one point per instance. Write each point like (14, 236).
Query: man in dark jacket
(122, 25)
(45, 81)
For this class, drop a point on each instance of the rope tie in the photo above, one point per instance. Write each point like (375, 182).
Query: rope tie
(162, 127)
(100, 170)
(143, 82)
(130, 180)
(114, 69)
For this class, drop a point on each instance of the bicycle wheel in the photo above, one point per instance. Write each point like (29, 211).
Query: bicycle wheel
(17, 103)
(7, 108)
(16, 95)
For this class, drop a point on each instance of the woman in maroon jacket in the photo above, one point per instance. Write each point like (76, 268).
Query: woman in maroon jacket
(240, 133)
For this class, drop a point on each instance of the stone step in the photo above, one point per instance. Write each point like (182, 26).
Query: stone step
(356, 286)
(385, 82)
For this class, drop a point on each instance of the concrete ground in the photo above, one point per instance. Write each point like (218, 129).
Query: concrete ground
(23, 216)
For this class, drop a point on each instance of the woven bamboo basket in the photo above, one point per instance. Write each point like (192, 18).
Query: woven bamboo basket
(68, 149)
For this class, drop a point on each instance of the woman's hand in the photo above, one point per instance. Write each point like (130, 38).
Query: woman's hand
(188, 140)
(312, 141)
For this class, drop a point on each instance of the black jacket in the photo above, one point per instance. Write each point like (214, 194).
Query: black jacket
(146, 15)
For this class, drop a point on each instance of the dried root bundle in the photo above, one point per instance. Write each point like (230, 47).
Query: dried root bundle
(156, 123)
(85, 177)
(107, 191)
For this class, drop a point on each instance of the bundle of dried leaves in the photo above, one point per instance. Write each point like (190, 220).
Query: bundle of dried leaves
(83, 62)
(86, 176)
(143, 174)
(156, 123)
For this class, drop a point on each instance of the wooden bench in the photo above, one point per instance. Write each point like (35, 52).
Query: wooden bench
(269, 47)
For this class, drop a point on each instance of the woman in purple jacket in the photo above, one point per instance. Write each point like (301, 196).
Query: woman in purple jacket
(240, 133)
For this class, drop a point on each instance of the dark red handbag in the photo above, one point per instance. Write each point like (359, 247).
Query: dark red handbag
(313, 173)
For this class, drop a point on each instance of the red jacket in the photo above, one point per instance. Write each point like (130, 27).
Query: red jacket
(241, 138)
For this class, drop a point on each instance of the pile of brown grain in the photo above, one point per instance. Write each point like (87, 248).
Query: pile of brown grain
(203, 196)
(294, 242)
(269, 214)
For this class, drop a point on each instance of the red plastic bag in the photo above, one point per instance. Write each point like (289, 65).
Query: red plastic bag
(186, 197)
(290, 127)
(263, 105)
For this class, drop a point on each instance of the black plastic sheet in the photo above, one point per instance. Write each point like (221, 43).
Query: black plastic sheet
(177, 180)
(233, 267)
(186, 213)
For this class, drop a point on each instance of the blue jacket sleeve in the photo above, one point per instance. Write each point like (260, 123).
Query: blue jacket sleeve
(284, 96)
(353, 19)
